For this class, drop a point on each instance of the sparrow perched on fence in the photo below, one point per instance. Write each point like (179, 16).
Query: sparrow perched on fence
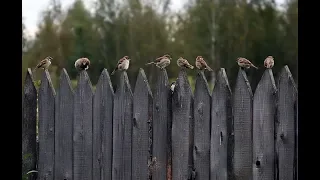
(245, 63)
(269, 62)
(161, 62)
(123, 64)
(184, 63)
(44, 64)
(201, 64)
(82, 64)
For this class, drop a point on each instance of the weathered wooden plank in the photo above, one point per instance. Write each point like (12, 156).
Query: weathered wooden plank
(201, 151)
(182, 128)
(122, 130)
(142, 117)
(221, 129)
(264, 108)
(286, 129)
(160, 127)
(63, 129)
(102, 128)
(29, 155)
(46, 127)
(82, 129)
(242, 106)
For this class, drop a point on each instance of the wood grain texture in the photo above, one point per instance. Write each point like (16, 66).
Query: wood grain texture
(160, 126)
(29, 153)
(122, 130)
(102, 128)
(82, 129)
(46, 128)
(264, 108)
(142, 117)
(242, 107)
(64, 129)
(286, 127)
(221, 129)
(202, 107)
(182, 129)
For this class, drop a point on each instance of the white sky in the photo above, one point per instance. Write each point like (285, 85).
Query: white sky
(31, 10)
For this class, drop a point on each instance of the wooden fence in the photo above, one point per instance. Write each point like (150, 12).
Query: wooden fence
(161, 135)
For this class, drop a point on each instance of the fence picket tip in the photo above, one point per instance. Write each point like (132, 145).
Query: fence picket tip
(46, 78)
(64, 77)
(143, 77)
(84, 78)
(105, 77)
(201, 78)
(222, 76)
(286, 70)
(125, 80)
(243, 74)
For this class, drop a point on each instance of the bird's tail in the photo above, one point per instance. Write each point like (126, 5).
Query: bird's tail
(114, 71)
(34, 70)
(189, 66)
(254, 66)
(209, 68)
(150, 63)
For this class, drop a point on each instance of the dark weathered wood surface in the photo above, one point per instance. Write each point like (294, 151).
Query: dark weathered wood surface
(122, 130)
(82, 129)
(29, 156)
(63, 129)
(264, 108)
(286, 140)
(201, 151)
(142, 117)
(221, 129)
(242, 107)
(46, 103)
(160, 131)
(102, 128)
(182, 132)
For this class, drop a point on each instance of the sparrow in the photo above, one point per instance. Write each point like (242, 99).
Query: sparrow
(184, 63)
(123, 64)
(201, 64)
(161, 62)
(245, 63)
(269, 62)
(82, 64)
(44, 64)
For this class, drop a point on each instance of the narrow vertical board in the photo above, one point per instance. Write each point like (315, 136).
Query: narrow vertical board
(182, 139)
(142, 116)
(102, 128)
(160, 131)
(46, 127)
(63, 129)
(82, 129)
(264, 108)
(29, 155)
(201, 151)
(286, 141)
(242, 106)
(221, 129)
(122, 130)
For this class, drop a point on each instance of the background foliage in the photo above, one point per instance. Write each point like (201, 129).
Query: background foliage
(218, 30)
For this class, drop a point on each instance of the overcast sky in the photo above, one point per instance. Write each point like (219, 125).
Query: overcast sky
(31, 10)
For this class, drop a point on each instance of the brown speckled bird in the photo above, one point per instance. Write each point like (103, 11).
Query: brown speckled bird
(184, 63)
(82, 64)
(201, 64)
(161, 62)
(269, 62)
(44, 64)
(245, 63)
(123, 65)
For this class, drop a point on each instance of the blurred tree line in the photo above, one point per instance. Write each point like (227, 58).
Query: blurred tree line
(218, 30)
